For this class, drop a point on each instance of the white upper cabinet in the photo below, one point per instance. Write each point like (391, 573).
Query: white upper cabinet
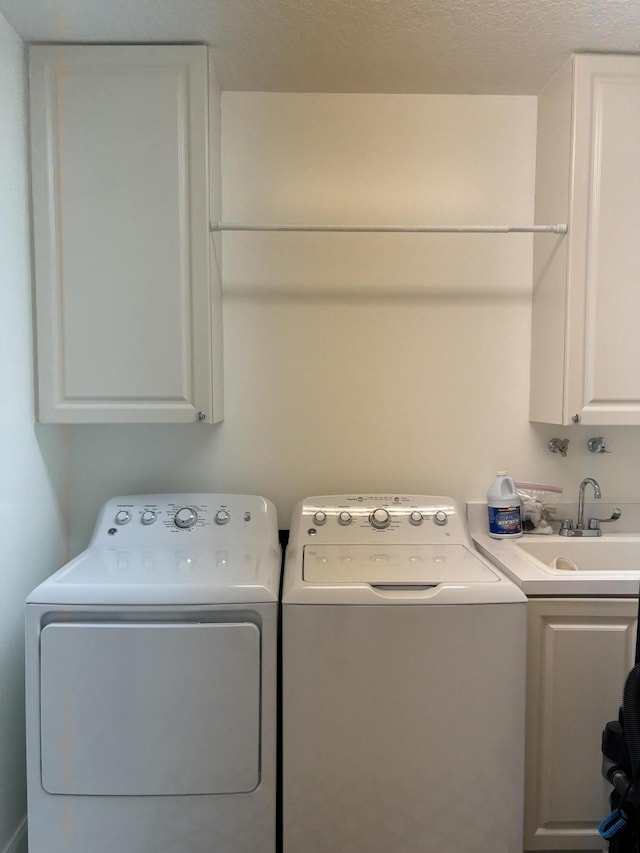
(586, 285)
(126, 283)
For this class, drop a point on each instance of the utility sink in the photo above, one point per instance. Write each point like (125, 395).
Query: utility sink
(607, 565)
(561, 554)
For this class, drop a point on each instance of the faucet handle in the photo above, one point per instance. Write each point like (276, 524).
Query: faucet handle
(597, 445)
(558, 445)
(566, 527)
(594, 523)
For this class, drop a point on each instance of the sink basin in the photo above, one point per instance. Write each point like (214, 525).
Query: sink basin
(607, 565)
(564, 555)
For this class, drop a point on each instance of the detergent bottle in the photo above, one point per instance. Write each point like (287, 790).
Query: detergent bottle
(505, 509)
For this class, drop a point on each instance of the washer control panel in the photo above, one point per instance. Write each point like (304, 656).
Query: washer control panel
(169, 518)
(365, 518)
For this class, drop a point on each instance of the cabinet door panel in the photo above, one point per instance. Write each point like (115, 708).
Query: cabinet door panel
(580, 652)
(586, 298)
(604, 303)
(119, 152)
(613, 294)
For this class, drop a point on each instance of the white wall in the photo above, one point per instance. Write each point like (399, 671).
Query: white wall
(33, 461)
(365, 362)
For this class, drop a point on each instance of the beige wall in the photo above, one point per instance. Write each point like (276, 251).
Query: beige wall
(365, 362)
(33, 461)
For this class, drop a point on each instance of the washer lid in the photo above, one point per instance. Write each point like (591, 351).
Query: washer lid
(382, 574)
(395, 565)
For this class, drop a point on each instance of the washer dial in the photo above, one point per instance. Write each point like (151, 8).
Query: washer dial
(221, 517)
(440, 517)
(344, 517)
(380, 518)
(123, 517)
(148, 516)
(185, 517)
(416, 517)
(319, 517)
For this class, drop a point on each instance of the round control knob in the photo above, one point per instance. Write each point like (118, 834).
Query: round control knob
(185, 517)
(380, 518)
(123, 517)
(344, 518)
(319, 517)
(416, 517)
(221, 517)
(148, 516)
(440, 517)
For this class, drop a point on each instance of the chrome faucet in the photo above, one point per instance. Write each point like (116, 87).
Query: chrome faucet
(596, 492)
(593, 528)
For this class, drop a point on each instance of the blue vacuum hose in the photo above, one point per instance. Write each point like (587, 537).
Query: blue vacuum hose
(631, 711)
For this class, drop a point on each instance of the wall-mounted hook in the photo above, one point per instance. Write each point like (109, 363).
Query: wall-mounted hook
(597, 445)
(558, 445)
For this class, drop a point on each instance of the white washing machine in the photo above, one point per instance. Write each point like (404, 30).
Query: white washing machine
(151, 662)
(403, 682)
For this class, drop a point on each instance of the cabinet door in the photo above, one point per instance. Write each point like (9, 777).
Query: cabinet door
(579, 654)
(604, 304)
(585, 347)
(119, 148)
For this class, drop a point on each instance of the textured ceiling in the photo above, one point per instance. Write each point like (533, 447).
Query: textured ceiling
(412, 46)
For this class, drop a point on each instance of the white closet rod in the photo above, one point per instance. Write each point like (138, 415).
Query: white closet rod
(406, 229)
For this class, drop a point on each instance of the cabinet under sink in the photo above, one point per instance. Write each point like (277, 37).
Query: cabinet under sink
(581, 629)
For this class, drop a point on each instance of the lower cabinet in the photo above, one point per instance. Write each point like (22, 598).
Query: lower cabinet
(580, 651)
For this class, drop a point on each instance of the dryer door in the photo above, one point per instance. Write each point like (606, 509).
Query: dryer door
(150, 708)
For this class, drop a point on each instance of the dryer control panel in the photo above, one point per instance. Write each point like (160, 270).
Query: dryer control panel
(174, 549)
(167, 518)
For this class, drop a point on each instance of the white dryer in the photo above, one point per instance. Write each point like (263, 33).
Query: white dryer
(151, 679)
(403, 682)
